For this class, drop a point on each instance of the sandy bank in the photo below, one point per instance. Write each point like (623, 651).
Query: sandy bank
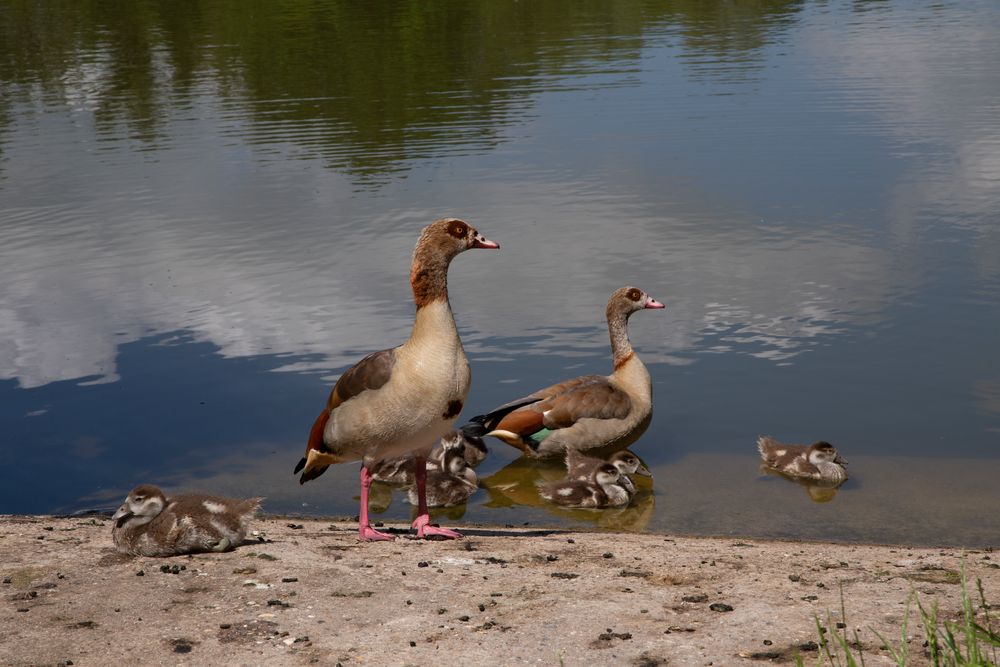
(310, 593)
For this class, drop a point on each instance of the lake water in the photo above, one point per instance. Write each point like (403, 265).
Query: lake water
(207, 211)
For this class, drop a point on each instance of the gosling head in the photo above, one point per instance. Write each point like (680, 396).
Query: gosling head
(143, 504)
(471, 447)
(629, 464)
(824, 453)
(606, 473)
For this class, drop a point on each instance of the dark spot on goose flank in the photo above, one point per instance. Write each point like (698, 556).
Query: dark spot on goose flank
(454, 407)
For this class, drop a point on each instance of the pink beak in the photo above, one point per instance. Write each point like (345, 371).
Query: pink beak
(480, 241)
(653, 303)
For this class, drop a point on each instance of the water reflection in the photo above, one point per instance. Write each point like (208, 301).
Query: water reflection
(819, 492)
(516, 484)
(195, 197)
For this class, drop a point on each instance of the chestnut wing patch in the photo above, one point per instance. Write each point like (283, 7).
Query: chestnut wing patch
(370, 373)
(523, 422)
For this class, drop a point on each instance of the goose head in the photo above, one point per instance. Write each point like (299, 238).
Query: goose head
(626, 300)
(143, 504)
(448, 237)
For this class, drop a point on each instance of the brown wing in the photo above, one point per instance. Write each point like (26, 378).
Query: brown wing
(565, 403)
(368, 374)
(594, 400)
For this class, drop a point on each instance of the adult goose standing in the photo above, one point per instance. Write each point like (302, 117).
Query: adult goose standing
(598, 414)
(402, 400)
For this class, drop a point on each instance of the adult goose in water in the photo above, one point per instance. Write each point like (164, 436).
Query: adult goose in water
(402, 400)
(598, 414)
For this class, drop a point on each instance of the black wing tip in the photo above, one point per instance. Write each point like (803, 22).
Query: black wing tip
(299, 466)
(310, 475)
(475, 428)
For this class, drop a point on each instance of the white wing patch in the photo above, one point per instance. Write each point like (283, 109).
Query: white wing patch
(213, 507)
(780, 452)
(565, 491)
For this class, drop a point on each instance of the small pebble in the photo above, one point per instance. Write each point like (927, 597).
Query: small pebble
(571, 540)
(482, 607)
(608, 554)
(225, 626)
(463, 618)
(767, 642)
(140, 573)
(413, 643)
(720, 606)
(7, 580)
(423, 563)
(289, 580)
(794, 577)
(841, 625)
(551, 558)
(441, 610)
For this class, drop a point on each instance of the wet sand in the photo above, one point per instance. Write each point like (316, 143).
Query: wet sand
(304, 591)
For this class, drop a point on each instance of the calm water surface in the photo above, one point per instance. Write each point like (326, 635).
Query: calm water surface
(207, 211)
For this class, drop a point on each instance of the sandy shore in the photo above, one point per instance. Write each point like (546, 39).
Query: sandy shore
(306, 592)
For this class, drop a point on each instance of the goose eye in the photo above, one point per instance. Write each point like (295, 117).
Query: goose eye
(458, 229)
(634, 294)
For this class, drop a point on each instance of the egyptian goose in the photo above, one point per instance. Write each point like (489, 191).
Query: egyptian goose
(592, 413)
(819, 461)
(602, 489)
(150, 524)
(402, 400)
(451, 481)
(399, 471)
(581, 466)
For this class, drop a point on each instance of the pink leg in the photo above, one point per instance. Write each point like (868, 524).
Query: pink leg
(365, 531)
(423, 520)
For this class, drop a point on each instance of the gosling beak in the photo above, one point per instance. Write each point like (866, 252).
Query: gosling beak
(643, 470)
(840, 460)
(122, 512)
